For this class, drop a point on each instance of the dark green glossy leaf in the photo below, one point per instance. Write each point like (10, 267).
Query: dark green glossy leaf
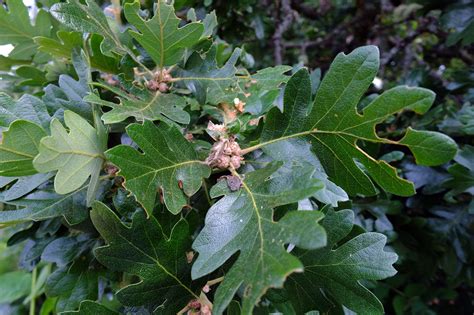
(168, 160)
(209, 83)
(160, 35)
(332, 274)
(333, 126)
(72, 285)
(243, 222)
(144, 250)
(91, 308)
(141, 104)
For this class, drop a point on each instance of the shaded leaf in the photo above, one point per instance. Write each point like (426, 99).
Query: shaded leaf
(332, 274)
(144, 250)
(242, 222)
(25, 185)
(27, 107)
(208, 82)
(168, 158)
(91, 308)
(41, 206)
(70, 92)
(72, 285)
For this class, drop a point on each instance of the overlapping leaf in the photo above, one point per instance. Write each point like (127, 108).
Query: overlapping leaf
(91, 308)
(243, 222)
(23, 185)
(145, 251)
(209, 83)
(333, 126)
(72, 285)
(16, 29)
(332, 274)
(69, 93)
(160, 35)
(44, 205)
(87, 18)
(19, 147)
(296, 149)
(141, 104)
(76, 155)
(167, 161)
(27, 107)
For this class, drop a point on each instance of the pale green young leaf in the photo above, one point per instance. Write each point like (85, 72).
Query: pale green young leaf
(332, 274)
(168, 159)
(160, 35)
(333, 126)
(143, 249)
(243, 222)
(19, 147)
(16, 29)
(75, 154)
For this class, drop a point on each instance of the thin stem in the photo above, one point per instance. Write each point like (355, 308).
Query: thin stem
(215, 281)
(33, 292)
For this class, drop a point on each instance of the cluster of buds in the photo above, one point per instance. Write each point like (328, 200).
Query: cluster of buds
(160, 81)
(225, 154)
(195, 307)
(109, 78)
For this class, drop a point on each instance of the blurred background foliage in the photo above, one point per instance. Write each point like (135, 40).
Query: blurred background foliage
(426, 43)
